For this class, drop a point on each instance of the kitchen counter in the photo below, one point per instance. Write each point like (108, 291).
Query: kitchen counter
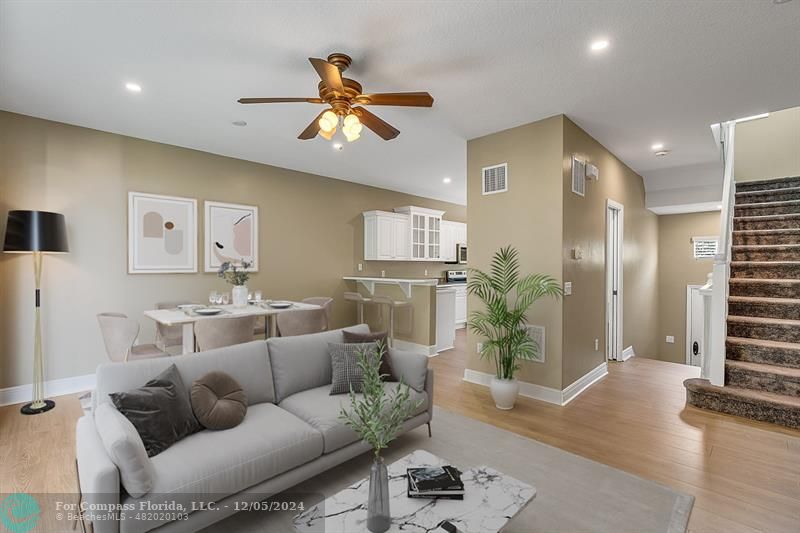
(405, 284)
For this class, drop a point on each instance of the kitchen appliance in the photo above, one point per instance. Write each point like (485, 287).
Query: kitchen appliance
(456, 276)
(461, 253)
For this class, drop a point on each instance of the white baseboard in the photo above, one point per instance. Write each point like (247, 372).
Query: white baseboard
(529, 390)
(584, 382)
(55, 387)
(627, 353)
(409, 346)
(545, 394)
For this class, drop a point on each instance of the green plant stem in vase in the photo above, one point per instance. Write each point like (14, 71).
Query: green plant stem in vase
(506, 298)
(377, 416)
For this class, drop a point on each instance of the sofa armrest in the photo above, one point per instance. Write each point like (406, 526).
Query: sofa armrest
(429, 390)
(98, 476)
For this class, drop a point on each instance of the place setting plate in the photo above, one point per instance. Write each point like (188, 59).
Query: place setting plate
(280, 305)
(208, 311)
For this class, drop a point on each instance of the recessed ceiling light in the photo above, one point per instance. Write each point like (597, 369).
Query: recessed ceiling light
(338, 146)
(657, 146)
(598, 45)
(240, 123)
(662, 153)
(446, 180)
(133, 87)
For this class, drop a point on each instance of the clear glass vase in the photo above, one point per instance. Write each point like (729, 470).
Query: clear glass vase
(378, 516)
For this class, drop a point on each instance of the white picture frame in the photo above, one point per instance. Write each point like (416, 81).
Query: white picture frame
(221, 221)
(162, 234)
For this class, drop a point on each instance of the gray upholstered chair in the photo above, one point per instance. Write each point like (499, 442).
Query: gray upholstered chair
(119, 335)
(391, 304)
(325, 303)
(301, 322)
(214, 333)
(167, 336)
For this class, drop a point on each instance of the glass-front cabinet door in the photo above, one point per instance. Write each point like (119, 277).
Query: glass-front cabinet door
(434, 237)
(418, 227)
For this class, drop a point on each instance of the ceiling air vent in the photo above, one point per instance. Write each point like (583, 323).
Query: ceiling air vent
(536, 333)
(578, 176)
(495, 179)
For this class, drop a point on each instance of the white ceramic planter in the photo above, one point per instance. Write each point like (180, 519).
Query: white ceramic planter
(504, 392)
(239, 295)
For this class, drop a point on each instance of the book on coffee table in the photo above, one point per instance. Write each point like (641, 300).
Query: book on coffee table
(435, 482)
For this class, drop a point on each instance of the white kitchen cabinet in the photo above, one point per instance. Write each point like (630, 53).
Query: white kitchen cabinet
(425, 226)
(452, 233)
(461, 306)
(385, 236)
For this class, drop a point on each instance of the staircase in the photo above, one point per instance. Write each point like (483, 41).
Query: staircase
(762, 357)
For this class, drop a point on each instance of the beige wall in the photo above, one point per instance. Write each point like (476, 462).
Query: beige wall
(678, 268)
(310, 235)
(544, 220)
(584, 220)
(768, 148)
(528, 218)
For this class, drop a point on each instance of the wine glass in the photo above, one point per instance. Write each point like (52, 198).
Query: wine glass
(212, 297)
(224, 298)
(258, 296)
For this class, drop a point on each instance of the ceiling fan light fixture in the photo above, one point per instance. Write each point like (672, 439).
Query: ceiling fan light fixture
(351, 135)
(328, 121)
(327, 135)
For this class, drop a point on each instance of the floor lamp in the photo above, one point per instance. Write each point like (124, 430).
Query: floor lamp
(36, 232)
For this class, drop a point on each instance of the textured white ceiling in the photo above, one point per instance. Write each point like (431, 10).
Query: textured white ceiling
(671, 70)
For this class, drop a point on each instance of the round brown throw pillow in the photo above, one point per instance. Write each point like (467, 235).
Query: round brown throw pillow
(218, 401)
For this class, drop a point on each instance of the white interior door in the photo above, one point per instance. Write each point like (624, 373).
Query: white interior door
(694, 326)
(614, 251)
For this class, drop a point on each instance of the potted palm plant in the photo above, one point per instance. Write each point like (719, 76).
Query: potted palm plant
(507, 297)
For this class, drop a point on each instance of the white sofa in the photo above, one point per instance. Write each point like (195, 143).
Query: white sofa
(291, 431)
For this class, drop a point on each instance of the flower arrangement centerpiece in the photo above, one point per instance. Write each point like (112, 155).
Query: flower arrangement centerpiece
(237, 274)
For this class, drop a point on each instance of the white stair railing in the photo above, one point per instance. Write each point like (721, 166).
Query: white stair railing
(716, 314)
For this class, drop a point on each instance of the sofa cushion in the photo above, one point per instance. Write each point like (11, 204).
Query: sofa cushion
(347, 374)
(382, 338)
(160, 411)
(125, 449)
(321, 411)
(247, 363)
(268, 442)
(218, 401)
(302, 362)
(409, 367)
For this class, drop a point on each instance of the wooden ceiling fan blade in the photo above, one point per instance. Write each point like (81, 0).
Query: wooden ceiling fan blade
(312, 130)
(279, 100)
(329, 73)
(385, 130)
(417, 99)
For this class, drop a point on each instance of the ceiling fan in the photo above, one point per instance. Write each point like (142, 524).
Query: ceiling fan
(345, 99)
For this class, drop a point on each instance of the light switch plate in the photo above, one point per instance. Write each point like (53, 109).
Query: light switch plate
(567, 288)
(383, 273)
(360, 267)
(597, 345)
(670, 339)
(479, 347)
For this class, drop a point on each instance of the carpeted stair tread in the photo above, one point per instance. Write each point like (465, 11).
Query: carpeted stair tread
(759, 306)
(764, 218)
(764, 205)
(776, 353)
(768, 184)
(771, 253)
(699, 384)
(755, 196)
(764, 300)
(765, 368)
(766, 236)
(765, 269)
(765, 321)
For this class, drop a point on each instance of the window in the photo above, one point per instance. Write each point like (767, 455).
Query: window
(705, 247)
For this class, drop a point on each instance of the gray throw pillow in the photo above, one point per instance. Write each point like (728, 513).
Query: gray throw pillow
(410, 367)
(218, 401)
(160, 411)
(351, 337)
(344, 365)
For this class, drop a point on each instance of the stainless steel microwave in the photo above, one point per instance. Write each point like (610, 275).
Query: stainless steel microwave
(461, 253)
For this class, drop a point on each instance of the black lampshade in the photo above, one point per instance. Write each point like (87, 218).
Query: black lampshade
(36, 231)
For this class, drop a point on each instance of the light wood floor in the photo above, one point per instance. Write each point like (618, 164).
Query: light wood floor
(745, 475)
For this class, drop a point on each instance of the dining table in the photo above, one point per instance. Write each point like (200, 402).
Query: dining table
(187, 317)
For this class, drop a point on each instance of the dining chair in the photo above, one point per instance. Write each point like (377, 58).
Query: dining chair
(213, 333)
(167, 336)
(301, 322)
(119, 335)
(392, 305)
(326, 303)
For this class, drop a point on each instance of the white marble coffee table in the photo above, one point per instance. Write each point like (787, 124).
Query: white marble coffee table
(491, 500)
